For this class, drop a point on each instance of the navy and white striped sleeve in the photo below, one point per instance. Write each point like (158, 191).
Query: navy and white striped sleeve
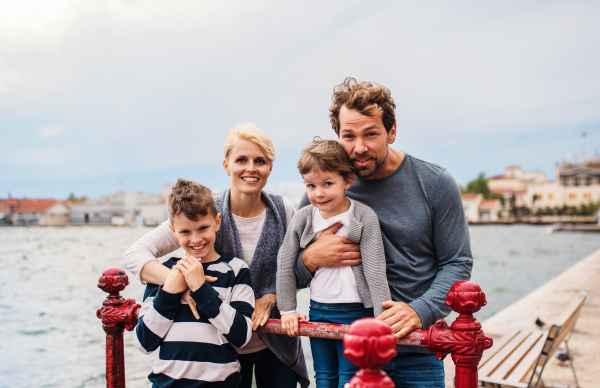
(233, 319)
(156, 317)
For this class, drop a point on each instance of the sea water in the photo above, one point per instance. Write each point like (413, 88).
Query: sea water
(50, 336)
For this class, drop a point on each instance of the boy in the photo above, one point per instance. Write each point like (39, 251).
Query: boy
(197, 352)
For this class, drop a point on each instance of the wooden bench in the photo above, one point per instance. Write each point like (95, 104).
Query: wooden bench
(520, 356)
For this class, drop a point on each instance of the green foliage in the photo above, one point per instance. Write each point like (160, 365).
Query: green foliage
(73, 197)
(590, 209)
(479, 185)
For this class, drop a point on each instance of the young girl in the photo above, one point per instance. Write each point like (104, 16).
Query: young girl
(340, 294)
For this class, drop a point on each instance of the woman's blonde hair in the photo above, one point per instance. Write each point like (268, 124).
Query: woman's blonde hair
(251, 132)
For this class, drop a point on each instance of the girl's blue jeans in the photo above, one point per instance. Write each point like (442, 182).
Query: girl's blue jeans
(332, 369)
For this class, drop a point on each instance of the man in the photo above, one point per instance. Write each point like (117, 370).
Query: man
(425, 232)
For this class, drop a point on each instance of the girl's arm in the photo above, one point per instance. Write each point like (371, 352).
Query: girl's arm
(373, 262)
(140, 258)
(286, 261)
(232, 319)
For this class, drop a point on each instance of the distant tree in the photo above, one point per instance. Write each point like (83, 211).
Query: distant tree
(73, 197)
(479, 185)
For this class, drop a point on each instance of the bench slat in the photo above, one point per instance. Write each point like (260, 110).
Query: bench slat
(503, 353)
(497, 346)
(518, 355)
(522, 371)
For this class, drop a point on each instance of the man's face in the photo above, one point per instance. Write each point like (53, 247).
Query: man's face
(365, 140)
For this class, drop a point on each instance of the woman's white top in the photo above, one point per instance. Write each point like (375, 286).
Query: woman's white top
(338, 284)
(161, 241)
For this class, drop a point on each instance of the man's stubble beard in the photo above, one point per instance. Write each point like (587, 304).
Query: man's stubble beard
(367, 172)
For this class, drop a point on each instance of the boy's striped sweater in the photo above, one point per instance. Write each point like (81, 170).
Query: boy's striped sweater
(198, 353)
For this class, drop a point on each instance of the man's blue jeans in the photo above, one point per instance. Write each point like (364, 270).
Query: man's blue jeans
(332, 369)
(418, 370)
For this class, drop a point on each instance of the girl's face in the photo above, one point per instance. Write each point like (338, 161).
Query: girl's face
(326, 192)
(248, 167)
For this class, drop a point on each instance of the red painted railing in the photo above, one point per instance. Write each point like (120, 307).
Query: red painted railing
(368, 343)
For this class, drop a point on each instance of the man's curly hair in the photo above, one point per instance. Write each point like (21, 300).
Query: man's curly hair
(367, 98)
(191, 199)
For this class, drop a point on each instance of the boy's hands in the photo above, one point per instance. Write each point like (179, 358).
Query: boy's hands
(175, 282)
(193, 272)
(289, 323)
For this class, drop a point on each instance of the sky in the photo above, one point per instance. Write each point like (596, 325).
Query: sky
(102, 96)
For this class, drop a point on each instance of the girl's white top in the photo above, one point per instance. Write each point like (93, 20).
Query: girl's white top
(334, 285)
(161, 241)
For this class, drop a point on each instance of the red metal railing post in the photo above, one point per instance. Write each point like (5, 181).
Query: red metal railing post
(464, 339)
(370, 344)
(116, 314)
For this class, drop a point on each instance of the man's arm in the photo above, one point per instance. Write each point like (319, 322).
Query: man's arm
(140, 258)
(453, 247)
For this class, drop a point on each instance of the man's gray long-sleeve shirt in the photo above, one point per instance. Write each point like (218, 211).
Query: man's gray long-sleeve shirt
(425, 234)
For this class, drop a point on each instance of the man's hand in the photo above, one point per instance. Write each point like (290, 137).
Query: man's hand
(289, 323)
(192, 270)
(330, 250)
(401, 317)
(262, 310)
(175, 282)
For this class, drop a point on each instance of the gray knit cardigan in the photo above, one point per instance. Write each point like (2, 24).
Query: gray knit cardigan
(370, 274)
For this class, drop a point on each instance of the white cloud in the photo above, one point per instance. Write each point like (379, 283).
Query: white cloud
(51, 131)
(156, 84)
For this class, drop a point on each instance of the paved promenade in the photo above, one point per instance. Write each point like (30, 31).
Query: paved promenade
(547, 302)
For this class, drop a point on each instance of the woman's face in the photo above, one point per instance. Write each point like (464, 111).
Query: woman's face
(248, 167)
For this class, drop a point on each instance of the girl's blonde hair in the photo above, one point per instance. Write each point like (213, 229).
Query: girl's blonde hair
(251, 132)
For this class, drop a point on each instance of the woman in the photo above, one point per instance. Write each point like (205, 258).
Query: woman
(253, 226)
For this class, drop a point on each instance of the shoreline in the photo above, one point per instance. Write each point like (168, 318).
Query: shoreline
(547, 302)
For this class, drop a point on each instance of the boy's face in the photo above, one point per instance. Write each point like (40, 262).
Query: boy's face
(325, 190)
(197, 238)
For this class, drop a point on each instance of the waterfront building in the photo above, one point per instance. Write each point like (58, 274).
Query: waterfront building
(479, 209)
(97, 212)
(26, 211)
(123, 208)
(576, 183)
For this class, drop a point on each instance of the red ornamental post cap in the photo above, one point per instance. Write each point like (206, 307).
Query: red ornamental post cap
(466, 298)
(113, 280)
(370, 343)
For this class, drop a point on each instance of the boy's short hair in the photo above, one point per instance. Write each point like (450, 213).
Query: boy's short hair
(367, 98)
(251, 132)
(191, 199)
(325, 155)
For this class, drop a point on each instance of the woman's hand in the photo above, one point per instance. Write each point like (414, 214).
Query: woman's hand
(175, 282)
(289, 323)
(262, 310)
